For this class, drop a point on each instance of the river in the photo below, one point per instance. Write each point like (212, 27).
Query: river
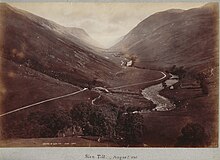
(152, 93)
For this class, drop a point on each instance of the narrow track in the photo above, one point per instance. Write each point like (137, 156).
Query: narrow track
(44, 101)
(93, 101)
(135, 84)
(74, 93)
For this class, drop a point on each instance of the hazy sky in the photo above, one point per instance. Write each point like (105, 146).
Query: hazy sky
(104, 22)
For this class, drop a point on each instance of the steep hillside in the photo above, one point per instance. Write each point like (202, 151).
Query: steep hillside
(186, 38)
(24, 86)
(83, 37)
(76, 35)
(40, 60)
(46, 47)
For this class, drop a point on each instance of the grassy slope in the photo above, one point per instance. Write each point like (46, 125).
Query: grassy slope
(188, 38)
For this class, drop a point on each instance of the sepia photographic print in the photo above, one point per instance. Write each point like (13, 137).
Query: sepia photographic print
(134, 75)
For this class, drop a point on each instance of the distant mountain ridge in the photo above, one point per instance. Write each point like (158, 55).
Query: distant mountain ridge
(84, 36)
(78, 35)
(186, 38)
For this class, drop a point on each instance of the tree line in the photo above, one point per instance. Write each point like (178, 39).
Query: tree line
(120, 125)
(182, 73)
(108, 121)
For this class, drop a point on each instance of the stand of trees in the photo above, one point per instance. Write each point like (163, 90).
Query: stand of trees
(47, 125)
(200, 77)
(37, 125)
(119, 125)
(109, 121)
(203, 82)
(129, 128)
(179, 71)
(193, 135)
(95, 121)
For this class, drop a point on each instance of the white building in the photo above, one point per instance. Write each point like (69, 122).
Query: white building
(129, 63)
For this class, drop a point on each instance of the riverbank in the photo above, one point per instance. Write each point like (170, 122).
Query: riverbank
(127, 92)
(199, 107)
(152, 93)
(163, 128)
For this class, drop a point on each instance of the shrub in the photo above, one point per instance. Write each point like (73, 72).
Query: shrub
(193, 135)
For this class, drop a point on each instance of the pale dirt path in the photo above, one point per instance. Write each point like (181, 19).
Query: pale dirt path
(135, 84)
(74, 93)
(44, 101)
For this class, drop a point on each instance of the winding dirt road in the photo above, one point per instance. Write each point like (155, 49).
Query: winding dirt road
(135, 84)
(77, 92)
(130, 85)
(44, 101)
